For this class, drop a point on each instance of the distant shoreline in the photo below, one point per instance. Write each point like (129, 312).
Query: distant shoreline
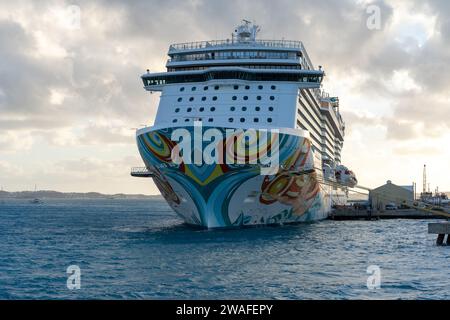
(49, 194)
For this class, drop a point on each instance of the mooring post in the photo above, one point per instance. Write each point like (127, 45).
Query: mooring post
(440, 239)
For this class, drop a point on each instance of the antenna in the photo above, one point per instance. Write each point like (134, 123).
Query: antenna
(424, 178)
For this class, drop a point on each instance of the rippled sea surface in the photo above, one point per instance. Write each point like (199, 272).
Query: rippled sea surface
(139, 249)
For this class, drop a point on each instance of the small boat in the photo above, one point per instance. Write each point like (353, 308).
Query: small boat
(36, 201)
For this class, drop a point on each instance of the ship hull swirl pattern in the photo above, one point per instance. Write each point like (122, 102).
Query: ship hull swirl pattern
(235, 195)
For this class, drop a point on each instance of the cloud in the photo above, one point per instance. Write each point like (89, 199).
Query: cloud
(81, 87)
(107, 134)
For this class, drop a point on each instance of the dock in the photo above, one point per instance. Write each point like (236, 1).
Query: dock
(441, 229)
(352, 214)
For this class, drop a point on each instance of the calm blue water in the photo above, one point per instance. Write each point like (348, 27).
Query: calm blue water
(129, 249)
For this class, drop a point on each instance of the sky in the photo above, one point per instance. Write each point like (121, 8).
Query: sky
(71, 95)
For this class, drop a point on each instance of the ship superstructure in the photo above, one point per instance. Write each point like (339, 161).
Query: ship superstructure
(265, 87)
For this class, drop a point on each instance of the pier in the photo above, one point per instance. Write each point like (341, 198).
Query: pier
(441, 229)
(352, 214)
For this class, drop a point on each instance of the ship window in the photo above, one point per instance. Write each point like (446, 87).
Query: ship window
(203, 98)
(244, 108)
(272, 98)
(232, 108)
(269, 120)
(247, 87)
(245, 98)
(180, 99)
(236, 87)
(242, 119)
(205, 88)
(202, 109)
(186, 120)
(216, 88)
(234, 98)
(258, 98)
(260, 87)
(257, 108)
(191, 99)
(230, 119)
(270, 109)
(182, 89)
(189, 109)
(194, 88)
(210, 120)
(213, 109)
(177, 110)
(255, 120)
(214, 98)
(273, 87)
(175, 120)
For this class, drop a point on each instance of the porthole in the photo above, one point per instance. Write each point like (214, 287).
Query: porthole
(191, 99)
(186, 120)
(203, 98)
(234, 98)
(210, 120)
(236, 87)
(244, 108)
(242, 119)
(180, 99)
(177, 110)
(214, 98)
(272, 98)
(273, 87)
(212, 109)
(205, 88)
(258, 98)
(245, 98)
(260, 87)
(194, 88)
(247, 87)
(201, 109)
(230, 119)
(232, 108)
(270, 109)
(182, 89)
(175, 120)
(257, 108)
(189, 109)
(216, 88)
(269, 120)
(256, 120)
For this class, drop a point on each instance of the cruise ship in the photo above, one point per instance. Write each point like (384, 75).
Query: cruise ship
(244, 134)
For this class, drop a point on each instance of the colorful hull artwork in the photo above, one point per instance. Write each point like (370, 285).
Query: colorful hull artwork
(237, 195)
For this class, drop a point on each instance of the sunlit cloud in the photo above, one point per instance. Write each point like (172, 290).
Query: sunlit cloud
(70, 89)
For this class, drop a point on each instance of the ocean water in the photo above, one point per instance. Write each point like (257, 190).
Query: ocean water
(139, 249)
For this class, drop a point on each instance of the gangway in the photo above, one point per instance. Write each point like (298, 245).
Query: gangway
(142, 172)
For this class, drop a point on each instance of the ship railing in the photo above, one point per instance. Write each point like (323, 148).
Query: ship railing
(142, 172)
(235, 57)
(283, 44)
